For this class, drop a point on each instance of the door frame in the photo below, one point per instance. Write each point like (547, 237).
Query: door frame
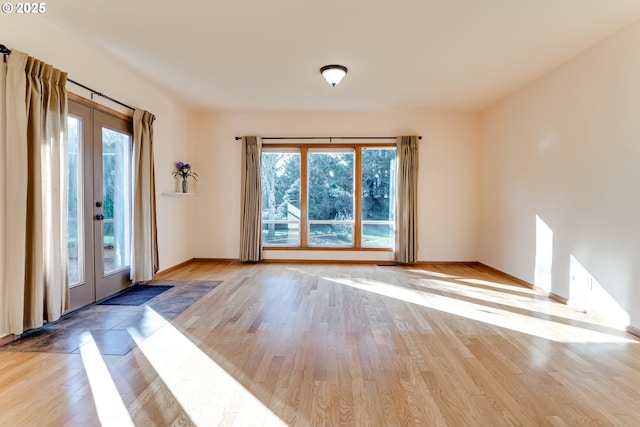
(95, 286)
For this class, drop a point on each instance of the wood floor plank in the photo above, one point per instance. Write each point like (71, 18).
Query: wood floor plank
(344, 345)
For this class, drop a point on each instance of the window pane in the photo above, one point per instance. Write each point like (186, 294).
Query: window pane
(116, 187)
(331, 184)
(378, 184)
(378, 196)
(287, 234)
(280, 198)
(74, 203)
(377, 235)
(331, 234)
(280, 186)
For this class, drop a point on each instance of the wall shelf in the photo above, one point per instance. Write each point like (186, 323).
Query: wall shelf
(175, 194)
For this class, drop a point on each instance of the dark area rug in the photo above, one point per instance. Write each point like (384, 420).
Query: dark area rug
(114, 329)
(136, 295)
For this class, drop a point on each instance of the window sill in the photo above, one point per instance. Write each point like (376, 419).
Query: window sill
(325, 248)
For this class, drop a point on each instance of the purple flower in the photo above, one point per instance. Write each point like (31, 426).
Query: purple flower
(184, 171)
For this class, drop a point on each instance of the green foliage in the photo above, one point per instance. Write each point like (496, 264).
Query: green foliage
(331, 185)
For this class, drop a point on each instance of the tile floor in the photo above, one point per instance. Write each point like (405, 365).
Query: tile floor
(113, 327)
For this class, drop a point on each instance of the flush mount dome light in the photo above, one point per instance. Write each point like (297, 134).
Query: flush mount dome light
(333, 74)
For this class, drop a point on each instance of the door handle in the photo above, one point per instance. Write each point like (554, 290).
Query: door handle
(99, 217)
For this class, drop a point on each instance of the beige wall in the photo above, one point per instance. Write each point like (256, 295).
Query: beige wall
(447, 181)
(87, 65)
(565, 152)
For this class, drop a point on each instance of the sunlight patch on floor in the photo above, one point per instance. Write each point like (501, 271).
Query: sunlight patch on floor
(487, 283)
(541, 307)
(502, 318)
(109, 405)
(206, 392)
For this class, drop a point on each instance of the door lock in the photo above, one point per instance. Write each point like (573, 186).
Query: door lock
(98, 204)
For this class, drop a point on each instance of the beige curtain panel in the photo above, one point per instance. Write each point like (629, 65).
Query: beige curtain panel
(4, 320)
(144, 262)
(250, 218)
(36, 271)
(407, 200)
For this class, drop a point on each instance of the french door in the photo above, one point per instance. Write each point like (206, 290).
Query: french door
(99, 227)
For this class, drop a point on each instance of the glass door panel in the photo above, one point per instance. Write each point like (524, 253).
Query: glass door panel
(75, 241)
(80, 195)
(112, 139)
(116, 190)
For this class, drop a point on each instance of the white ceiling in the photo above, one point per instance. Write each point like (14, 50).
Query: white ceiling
(401, 55)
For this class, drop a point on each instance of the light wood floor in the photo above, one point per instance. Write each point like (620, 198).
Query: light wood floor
(334, 345)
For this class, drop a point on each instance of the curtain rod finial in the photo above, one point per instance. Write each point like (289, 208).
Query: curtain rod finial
(4, 51)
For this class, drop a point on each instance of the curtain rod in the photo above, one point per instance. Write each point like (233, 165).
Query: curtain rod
(6, 51)
(330, 138)
(95, 92)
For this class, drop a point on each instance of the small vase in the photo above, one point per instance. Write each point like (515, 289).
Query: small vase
(185, 186)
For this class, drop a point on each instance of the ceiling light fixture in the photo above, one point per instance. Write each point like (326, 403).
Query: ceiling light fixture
(333, 74)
